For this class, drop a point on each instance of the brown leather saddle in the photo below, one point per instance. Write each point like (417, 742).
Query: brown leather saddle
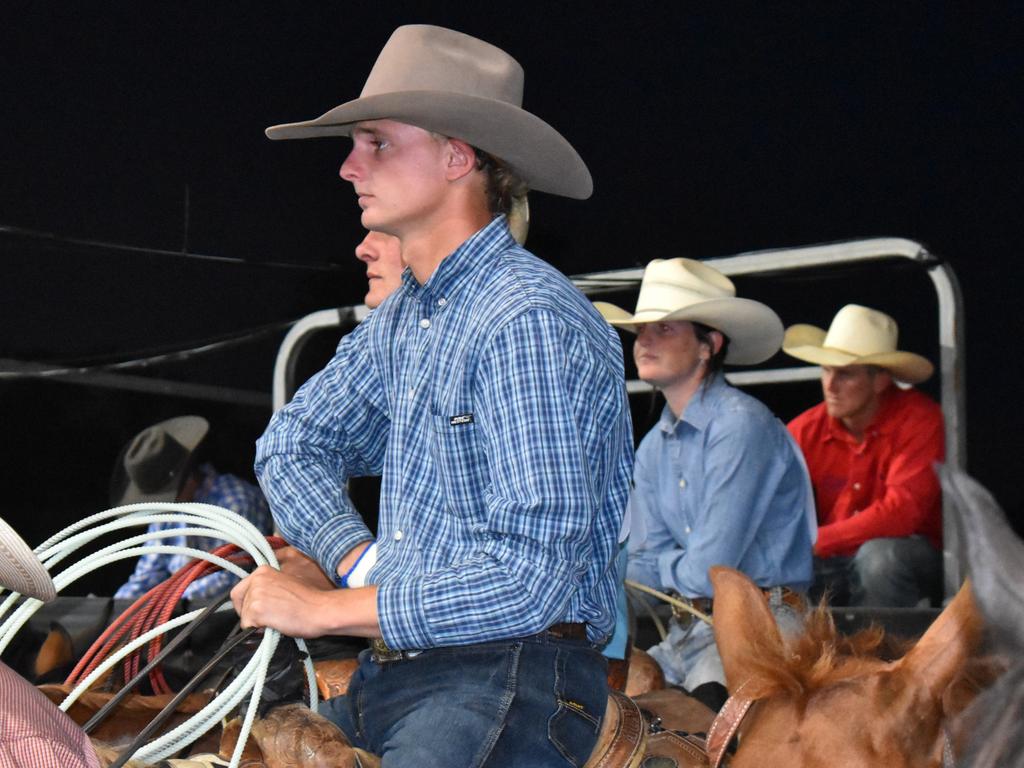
(629, 740)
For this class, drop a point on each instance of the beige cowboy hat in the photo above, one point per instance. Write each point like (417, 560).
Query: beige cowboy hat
(152, 465)
(685, 289)
(20, 569)
(857, 336)
(459, 86)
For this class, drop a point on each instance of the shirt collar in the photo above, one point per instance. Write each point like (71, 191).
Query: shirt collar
(699, 410)
(456, 268)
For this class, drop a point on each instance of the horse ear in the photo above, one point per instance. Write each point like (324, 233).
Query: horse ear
(942, 651)
(995, 556)
(743, 622)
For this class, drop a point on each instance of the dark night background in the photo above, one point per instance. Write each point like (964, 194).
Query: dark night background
(710, 129)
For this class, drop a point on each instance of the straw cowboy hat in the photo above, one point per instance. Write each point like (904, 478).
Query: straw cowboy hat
(20, 569)
(857, 336)
(684, 289)
(152, 465)
(444, 81)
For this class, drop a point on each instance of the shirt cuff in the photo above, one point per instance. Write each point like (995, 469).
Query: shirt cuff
(403, 622)
(669, 565)
(334, 540)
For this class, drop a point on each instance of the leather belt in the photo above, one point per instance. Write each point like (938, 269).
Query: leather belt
(567, 630)
(774, 595)
(382, 653)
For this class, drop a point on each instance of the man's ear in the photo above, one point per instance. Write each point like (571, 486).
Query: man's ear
(717, 340)
(460, 159)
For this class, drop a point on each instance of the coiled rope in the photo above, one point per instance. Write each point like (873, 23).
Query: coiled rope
(200, 520)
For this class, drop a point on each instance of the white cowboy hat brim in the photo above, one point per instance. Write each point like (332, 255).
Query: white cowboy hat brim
(754, 330)
(20, 569)
(538, 153)
(805, 342)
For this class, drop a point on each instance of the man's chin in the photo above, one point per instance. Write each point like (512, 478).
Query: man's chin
(834, 412)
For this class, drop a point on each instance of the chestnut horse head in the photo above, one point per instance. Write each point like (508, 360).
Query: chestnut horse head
(825, 700)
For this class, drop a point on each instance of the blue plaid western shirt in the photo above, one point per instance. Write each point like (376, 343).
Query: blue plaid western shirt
(492, 402)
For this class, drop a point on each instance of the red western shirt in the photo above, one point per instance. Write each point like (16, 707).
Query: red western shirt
(884, 486)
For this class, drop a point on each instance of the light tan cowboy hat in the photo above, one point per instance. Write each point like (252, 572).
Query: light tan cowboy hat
(857, 336)
(20, 569)
(152, 465)
(459, 86)
(685, 289)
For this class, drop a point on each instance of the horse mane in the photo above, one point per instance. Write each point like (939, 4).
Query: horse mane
(818, 657)
(821, 656)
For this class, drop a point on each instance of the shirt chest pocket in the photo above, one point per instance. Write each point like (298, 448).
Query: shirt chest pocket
(458, 452)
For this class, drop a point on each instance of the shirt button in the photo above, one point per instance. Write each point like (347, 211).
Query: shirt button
(398, 535)
(442, 301)
(856, 486)
(687, 529)
(412, 392)
(682, 483)
(424, 323)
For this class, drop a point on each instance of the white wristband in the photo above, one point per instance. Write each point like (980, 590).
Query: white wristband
(356, 576)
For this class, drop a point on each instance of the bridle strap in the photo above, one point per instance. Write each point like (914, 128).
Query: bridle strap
(730, 716)
(725, 725)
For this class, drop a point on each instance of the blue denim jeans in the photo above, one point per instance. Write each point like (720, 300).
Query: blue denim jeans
(532, 702)
(888, 572)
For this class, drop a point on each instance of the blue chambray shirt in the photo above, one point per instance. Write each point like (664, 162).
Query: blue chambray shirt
(723, 485)
(492, 402)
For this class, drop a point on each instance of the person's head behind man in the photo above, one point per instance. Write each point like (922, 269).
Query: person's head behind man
(689, 323)
(859, 362)
(382, 255)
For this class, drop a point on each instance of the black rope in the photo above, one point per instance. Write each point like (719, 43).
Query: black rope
(191, 627)
(168, 710)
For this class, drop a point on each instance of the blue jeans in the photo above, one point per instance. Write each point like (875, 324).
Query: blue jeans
(533, 702)
(890, 572)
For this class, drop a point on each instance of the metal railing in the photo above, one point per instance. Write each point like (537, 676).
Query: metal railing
(950, 338)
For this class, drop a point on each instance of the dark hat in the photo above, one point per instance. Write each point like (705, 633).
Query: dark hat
(152, 465)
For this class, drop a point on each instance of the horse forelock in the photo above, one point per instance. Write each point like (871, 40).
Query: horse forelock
(849, 698)
(814, 659)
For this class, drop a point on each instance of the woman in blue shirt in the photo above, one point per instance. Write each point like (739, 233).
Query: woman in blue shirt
(718, 481)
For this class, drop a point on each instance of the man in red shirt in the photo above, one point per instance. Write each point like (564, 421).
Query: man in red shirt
(870, 448)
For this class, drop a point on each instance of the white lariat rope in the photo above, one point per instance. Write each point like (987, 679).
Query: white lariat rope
(202, 520)
(675, 602)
